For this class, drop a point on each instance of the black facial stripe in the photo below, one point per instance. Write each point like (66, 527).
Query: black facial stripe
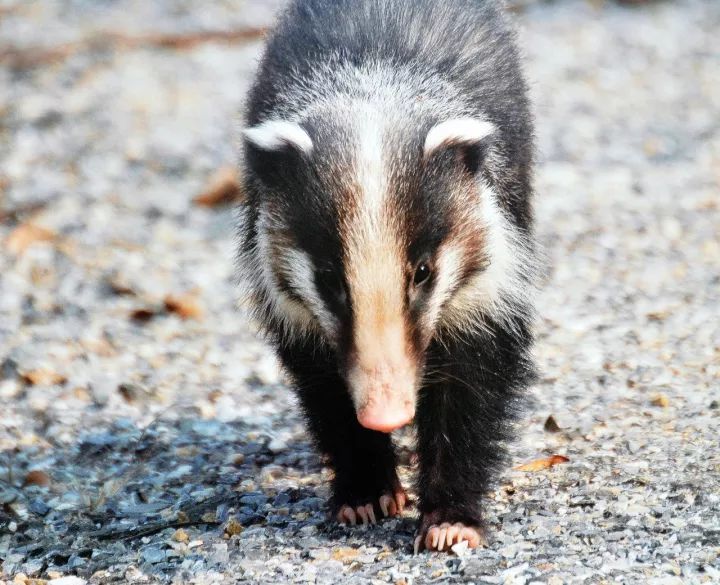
(331, 286)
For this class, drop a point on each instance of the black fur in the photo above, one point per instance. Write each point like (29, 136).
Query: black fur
(473, 382)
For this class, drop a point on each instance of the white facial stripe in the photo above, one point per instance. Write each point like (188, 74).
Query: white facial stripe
(300, 272)
(292, 314)
(370, 170)
(277, 134)
(505, 284)
(448, 270)
(457, 131)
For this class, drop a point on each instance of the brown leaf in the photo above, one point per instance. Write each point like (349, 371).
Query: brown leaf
(25, 235)
(143, 315)
(180, 536)
(37, 477)
(223, 189)
(540, 464)
(551, 425)
(185, 306)
(43, 377)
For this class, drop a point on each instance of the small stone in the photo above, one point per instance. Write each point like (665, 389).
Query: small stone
(660, 400)
(233, 527)
(461, 548)
(37, 506)
(209, 517)
(69, 580)
(220, 555)
(153, 555)
(254, 500)
(180, 536)
(282, 499)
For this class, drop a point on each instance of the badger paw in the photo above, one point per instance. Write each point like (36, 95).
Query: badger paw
(389, 505)
(442, 536)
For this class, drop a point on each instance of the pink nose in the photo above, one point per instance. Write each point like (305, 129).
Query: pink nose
(385, 420)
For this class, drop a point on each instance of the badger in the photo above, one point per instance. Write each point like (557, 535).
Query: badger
(386, 244)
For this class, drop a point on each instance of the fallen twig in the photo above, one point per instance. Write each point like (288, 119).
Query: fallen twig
(36, 56)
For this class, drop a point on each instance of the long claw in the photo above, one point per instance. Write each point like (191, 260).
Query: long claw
(416, 545)
(473, 537)
(431, 539)
(363, 514)
(347, 514)
(384, 504)
(444, 536)
(371, 513)
(452, 533)
(443, 533)
(400, 501)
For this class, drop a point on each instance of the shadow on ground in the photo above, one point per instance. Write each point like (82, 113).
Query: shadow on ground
(155, 497)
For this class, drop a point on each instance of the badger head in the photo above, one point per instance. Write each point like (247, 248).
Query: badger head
(379, 238)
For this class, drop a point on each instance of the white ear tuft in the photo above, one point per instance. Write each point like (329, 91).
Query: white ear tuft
(276, 134)
(457, 131)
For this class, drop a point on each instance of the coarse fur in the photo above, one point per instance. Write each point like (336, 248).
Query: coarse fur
(384, 139)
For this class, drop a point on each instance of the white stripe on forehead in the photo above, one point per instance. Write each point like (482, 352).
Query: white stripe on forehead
(370, 167)
(374, 254)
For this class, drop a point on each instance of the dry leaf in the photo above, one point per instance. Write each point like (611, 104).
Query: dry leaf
(551, 425)
(43, 377)
(142, 315)
(37, 477)
(223, 189)
(344, 554)
(180, 536)
(185, 306)
(540, 464)
(25, 235)
(660, 400)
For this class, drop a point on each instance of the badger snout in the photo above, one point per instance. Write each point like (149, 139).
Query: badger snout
(384, 395)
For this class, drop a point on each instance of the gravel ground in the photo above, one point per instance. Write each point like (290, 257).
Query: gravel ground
(147, 436)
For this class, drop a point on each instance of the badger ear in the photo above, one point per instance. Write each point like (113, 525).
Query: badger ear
(276, 135)
(470, 135)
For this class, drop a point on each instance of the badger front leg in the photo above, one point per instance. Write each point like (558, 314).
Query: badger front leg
(366, 486)
(464, 417)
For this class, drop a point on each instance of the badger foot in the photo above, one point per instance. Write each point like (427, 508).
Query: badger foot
(389, 505)
(434, 536)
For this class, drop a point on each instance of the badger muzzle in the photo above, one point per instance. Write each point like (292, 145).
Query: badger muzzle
(382, 378)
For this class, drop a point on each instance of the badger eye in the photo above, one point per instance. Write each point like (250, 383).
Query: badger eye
(333, 284)
(422, 273)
